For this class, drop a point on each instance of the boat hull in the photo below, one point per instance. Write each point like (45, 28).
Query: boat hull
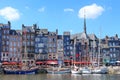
(76, 72)
(100, 71)
(33, 71)
(58, 72)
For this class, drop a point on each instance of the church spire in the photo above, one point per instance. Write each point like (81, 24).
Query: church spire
(84, 22)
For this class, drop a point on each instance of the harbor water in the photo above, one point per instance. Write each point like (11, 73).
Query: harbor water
(61, 77)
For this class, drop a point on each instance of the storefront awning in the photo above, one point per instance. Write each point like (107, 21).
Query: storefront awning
(12, 63)
(39, 62)
(52, 62)
(81, 62)
(5, 63)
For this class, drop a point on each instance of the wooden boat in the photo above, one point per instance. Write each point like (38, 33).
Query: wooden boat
(28, 71)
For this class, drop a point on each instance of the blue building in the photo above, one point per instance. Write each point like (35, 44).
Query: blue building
(41, 44)
(0, 41)
(75, 48)
(60, 49)
(66, 45)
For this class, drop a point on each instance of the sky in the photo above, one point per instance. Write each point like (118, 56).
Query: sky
(102, 16)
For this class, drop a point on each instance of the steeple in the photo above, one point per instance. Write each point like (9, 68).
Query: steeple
(84, 22)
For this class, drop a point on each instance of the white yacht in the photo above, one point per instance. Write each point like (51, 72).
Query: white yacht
(86, 70)
(76, 70)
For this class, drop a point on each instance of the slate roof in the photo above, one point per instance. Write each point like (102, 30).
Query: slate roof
(83, 35)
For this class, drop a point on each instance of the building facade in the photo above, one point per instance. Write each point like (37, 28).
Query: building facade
(28, 40)
(60, 49)
(15, 46)
(41, 44)
(52, 46)
(66, 45)
(5, 41)
(111, 49)
(0, 42)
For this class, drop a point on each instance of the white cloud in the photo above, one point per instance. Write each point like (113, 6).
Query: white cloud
(9, 13)
(68, 10)
(42, 9)
(91, 11)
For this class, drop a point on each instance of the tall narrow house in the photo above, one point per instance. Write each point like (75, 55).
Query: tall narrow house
(5, 29)
(28, 42)
(15, 46)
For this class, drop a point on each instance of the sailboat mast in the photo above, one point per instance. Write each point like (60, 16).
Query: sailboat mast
(99, 47)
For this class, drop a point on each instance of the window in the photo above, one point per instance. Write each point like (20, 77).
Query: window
(110, 49)
(40, 50)
(111, 55)
(32, 36)
(54, 50)
(4, 32)
(67, 53)
(54, 45)
(36, 50)
(32, 43)
(37, 39)
(18, 43)
(70, 47)
(113, 43)
(41, 45)
(67, 38)
(28, 43)
(7, 37)
(10, 49)
(14, 44)
(4, 37)
(14, 49)
(67, 47)
(3, 55)
(114, 49)
(28, 36)
(67, 43)
(114, 55)
(7, 31)
(50, 50)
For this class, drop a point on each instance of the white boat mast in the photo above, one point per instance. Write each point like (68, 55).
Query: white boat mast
(99, 48)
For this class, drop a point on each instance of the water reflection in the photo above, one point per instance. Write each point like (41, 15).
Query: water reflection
(61, 77)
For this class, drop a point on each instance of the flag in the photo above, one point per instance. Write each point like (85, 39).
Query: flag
(24, 32)
(77, 55)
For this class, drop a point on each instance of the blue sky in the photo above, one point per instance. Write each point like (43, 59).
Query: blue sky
(65, 15)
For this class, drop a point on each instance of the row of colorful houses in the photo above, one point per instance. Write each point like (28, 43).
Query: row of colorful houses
(42, 45)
